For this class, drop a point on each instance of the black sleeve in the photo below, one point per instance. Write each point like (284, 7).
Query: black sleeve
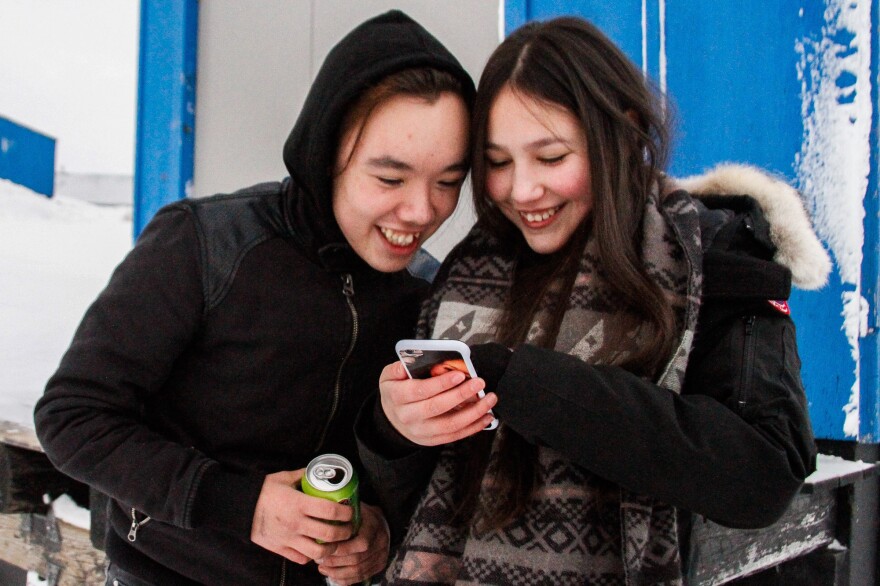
(91, 420)
(397, 469)
(737, 464)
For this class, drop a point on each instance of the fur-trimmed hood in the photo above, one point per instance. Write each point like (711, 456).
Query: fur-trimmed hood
(798, 247)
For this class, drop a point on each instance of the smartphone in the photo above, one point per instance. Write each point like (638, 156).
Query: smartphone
(427, 358)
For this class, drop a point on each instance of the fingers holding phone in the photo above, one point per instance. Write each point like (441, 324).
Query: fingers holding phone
(436, 410)
(443, 401)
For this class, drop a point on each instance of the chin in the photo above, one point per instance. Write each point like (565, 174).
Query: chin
(387, 265)
(543, 247)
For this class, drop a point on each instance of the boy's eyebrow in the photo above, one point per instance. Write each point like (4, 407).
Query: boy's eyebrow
(387, 162)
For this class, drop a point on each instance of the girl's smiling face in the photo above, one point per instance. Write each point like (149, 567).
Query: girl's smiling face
(537, 170)
(401, 178)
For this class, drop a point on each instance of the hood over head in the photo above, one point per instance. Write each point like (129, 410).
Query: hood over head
(383, 45)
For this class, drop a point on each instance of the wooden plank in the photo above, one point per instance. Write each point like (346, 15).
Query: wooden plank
(16, 550)
(78, 563)
(14, 434)
(60, 553)
(719, 554)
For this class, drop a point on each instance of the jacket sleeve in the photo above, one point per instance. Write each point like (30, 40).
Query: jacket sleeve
(92, 419)
(397, 469)
(734, 446)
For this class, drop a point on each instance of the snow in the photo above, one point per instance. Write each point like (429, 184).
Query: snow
(828, 467)
(834, 162)
(56, 255)
(65, 509)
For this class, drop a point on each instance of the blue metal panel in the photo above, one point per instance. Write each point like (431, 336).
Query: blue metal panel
(621, 22)
(732, 74)
(166, 105)
(516, 14)
(732, 71)
(27, 157)
(869, 348)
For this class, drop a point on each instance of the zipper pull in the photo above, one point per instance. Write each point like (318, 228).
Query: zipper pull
(135, 525)
(347, 285)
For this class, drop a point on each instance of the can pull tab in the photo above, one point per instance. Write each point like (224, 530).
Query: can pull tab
(331, 474)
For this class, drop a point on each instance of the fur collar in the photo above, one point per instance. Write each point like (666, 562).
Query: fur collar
(798, 247)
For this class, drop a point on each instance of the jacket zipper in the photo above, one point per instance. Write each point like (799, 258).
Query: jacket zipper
(348, 291)
(283, 573)
(135, 525)
(748, 361)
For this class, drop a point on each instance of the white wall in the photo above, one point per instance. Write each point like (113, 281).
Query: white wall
(257, 60)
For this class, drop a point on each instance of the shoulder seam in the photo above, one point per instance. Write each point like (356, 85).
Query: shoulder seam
(218, 296)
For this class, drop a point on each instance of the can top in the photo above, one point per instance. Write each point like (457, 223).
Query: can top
(329, 472)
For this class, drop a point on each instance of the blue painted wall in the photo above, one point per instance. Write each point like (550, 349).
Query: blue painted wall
(869, 344)
(27, 157)
(732, 74)
(166, 105)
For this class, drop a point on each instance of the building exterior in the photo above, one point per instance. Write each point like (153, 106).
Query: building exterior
(788, 86)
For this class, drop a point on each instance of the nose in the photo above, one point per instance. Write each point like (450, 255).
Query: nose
(417, 208)
(527, 186)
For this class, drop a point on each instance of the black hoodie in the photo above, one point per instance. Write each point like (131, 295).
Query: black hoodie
(238, 338)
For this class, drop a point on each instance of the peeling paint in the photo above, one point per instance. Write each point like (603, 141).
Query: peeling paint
(834, 162)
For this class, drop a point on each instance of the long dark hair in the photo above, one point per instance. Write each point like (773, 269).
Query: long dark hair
(568, 62)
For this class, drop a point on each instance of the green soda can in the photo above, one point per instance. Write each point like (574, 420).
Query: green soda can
(332, 477)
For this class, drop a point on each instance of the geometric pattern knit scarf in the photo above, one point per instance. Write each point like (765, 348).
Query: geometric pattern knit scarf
(569, 534)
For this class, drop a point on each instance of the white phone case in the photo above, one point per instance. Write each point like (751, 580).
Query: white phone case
(420, 357)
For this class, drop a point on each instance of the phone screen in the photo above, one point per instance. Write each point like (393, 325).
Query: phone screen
(428, 363)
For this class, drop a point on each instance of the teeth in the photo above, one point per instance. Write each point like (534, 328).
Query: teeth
(539, 216)
(399, 238)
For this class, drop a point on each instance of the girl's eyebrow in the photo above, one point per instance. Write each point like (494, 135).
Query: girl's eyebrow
(541, 142)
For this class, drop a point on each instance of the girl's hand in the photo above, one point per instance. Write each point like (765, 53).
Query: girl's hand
(436, 410)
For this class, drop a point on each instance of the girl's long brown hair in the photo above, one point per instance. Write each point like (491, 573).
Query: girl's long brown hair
(568, 62)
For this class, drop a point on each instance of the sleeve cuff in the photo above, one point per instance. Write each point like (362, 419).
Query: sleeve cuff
(490, 361)
(226, 501)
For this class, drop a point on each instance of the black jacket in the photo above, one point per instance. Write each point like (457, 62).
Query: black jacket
(238, 338)
(734, 446)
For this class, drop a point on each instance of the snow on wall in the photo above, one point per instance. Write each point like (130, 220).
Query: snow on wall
(834, 161)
